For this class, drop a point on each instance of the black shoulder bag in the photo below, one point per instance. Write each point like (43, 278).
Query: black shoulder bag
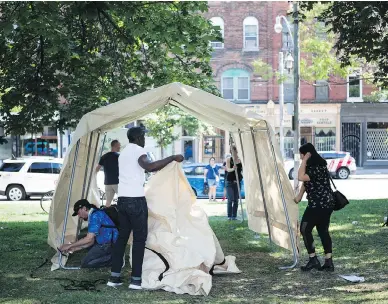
(340, 200)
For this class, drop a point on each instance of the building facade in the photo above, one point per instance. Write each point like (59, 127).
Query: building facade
(248, 32)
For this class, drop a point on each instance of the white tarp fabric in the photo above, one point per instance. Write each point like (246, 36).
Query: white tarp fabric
(179, 230)
(209, 108)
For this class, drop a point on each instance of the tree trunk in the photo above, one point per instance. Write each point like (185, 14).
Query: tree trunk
(161, 152)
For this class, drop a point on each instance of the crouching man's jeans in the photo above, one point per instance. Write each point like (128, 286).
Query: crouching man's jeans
(99, 255)
(133, 215)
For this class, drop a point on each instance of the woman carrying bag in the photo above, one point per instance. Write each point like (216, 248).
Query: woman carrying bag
(316, 183)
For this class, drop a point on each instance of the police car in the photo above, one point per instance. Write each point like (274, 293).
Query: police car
(339, 164)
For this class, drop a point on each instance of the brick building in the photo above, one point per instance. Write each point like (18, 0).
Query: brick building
(248, 31)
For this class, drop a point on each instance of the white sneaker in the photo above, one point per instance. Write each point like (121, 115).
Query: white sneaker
(136, 285)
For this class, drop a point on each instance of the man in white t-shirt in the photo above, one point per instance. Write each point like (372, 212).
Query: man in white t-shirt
(132, 205)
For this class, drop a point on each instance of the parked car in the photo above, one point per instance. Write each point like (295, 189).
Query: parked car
(24, 177)
(339, 164)
(195, 176)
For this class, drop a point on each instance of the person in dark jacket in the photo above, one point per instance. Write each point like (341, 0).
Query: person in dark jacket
(316, 183)
(233, 165)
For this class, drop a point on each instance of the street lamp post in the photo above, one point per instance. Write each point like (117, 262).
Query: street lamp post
(289, 64)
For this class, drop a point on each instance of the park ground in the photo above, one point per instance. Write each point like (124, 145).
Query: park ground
(359, 248)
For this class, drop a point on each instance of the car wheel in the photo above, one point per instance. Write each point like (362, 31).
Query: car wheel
(16, 193)
(195, 191)
(291, 174)
(343, 173)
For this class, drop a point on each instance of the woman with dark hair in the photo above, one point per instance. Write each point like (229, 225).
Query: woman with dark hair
(316, 183)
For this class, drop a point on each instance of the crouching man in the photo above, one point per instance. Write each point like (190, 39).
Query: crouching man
(102, 234)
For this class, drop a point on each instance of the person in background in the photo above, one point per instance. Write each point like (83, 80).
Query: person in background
(212, 177)
(188, 152)
(132, 205)
(110, 162)
(225, 175)
(233, 165)
(316, 182)
(102, 234)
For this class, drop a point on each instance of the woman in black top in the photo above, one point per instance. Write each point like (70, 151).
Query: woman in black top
(315, 177)
(233, 164)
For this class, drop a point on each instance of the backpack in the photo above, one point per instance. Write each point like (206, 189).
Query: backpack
(112, 213)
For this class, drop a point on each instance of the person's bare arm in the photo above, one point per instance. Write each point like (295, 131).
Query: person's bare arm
(98, 168)
(145, 163)
(302, 176)
(86, 242)
(299, 197)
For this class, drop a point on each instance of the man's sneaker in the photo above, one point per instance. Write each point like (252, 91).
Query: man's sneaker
(135, 284)
(114, 282)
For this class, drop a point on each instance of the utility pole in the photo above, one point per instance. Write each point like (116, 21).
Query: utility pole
(281, 103)
(297, 94)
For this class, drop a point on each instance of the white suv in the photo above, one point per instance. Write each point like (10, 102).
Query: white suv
(24, 177)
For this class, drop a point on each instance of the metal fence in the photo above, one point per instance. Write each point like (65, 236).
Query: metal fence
(326, 143)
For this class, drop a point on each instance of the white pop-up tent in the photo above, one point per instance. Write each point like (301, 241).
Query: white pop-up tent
(269, 195)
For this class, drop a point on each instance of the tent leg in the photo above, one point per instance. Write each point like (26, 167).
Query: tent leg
(68, 204)
(102, 149)
(79, 225)
(92, 165)
(238, 185)
(241, 144)
(261, 184)
(293, 244)
(243, 155)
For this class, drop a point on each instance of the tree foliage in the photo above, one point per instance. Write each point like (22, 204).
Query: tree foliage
(360, 30)
(318, 59)
(161, 125)
(89, 54)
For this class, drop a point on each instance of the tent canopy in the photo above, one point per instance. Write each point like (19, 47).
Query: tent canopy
(269, 196)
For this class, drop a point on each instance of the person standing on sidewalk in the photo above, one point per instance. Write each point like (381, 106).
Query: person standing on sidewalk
(132, 205)
(110, 162)
(233, 164)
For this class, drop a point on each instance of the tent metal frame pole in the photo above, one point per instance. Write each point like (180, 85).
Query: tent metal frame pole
(79, 225)
(68, 205)
(102, 150)
(293, 243)
(238, 183)
(92, 164)
(87, 165)
(261, 184)
(241, 143)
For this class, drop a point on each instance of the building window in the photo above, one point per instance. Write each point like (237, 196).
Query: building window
(217, 21)
(321, 90)
(235, 85)
(354, 86)
(251, 33)
(377, 140)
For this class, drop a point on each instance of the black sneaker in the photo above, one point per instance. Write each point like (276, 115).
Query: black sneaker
(328, 266)
(114, 282)
(313, 263)
(135, 284)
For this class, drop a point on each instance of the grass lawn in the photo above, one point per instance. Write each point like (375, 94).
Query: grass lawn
(358, 249)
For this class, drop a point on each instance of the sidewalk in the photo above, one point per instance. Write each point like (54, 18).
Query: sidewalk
(373, 173)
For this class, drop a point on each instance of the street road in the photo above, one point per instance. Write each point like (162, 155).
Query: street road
(372, 187)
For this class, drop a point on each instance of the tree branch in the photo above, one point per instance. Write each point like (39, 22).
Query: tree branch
(107, 17)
